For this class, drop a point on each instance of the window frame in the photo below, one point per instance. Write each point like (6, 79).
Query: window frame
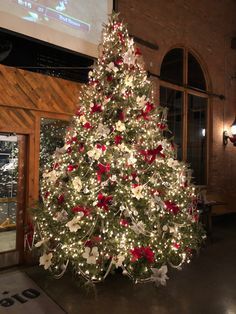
(188, 90)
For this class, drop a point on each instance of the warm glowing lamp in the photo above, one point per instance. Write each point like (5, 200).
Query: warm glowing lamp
(233, 132)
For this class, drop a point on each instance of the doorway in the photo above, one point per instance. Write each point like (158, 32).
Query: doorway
(12, 198)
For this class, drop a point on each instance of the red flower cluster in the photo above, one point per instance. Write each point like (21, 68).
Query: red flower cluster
(151, 154)
(118, 139)
(102, 147)
(145, 113)
(87, 126)
(172, 207)
(102, 169)
(142, 252)
(72, 167)
(96, 108)
(104, 201)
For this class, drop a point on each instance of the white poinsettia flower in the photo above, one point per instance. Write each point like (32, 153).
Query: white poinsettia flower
(60, 216)
(131, 160)
(75, 224)
(138, 228)
(159, 276)
(41, 242)
(141, 101)
(91, 254)
(123, 148)
(137, 191)
(120, 126)
(172, 163)
(95, 153)
(174, 230)
(60, 151)
(129, 57)
(77, 184)
(164, 143)
(111, 67)
(118, 260)
(82, 119)
(51, 176)
(129, 81)
(46, 260)
(103, 130)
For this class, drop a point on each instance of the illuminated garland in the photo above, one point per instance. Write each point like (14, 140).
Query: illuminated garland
(114, 195)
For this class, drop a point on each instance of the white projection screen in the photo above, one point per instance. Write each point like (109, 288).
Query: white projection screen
(72, 24)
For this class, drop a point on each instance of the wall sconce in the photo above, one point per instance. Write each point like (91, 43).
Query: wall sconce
(232, 138)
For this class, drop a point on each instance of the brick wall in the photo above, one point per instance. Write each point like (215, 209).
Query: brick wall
(206, 27)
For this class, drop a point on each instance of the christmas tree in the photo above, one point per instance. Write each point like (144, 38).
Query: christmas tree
(115, 195)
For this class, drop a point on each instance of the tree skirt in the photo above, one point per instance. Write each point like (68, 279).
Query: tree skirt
(19, 294)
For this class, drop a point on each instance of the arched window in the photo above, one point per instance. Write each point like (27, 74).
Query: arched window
(183, 89)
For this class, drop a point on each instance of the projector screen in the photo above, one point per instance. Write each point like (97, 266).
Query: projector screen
(72, 24)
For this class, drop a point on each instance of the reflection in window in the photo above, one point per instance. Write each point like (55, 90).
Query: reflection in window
(52, 134)
(173, 100)
(196, 152)
(187, 114)
(195, 75)
(8, 191)
(172, 66)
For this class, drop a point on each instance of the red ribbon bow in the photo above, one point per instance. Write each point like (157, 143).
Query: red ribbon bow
(151, 154)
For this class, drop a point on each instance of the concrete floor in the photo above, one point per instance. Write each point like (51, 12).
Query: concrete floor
(205, 286)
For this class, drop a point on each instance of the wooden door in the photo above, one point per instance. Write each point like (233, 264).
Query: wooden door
(12, 198)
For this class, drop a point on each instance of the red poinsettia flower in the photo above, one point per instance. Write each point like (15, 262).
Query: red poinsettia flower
(104, 201)
(87, 125)
(118, 139)
(142, 252)
(102, 147)
(96, 108)
(172, 207)
(71, 167)
(176, 245)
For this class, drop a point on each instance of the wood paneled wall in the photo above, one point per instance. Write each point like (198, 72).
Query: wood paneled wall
(26, 97)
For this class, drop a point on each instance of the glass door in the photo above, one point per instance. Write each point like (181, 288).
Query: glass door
(12, 198)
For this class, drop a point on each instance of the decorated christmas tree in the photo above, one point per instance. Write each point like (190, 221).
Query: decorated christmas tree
(115, 195)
